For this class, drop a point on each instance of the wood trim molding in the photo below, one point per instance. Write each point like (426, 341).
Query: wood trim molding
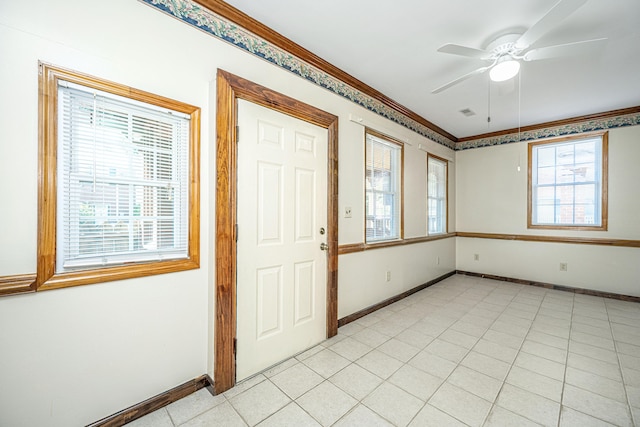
(230, 88)
(234, 15)
(554, 239)
(355, 316)
(17, 284)
(555, 123)
(47, 278)
(582, 291)
(400, 145)
(446, 185)
(154, 403)
(361, 247)
(604, 184)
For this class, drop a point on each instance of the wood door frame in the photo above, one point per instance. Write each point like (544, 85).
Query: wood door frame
(230, 88)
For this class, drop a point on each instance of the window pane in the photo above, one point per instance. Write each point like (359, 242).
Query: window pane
(586, 152)
(566, 176)
(585, 194)
(546, 214)
(546, 175)
(585, 172)
(585, 214)
(564, 195)
(436, 195)
(546, 156)
(546, 195)
(564, 154)
(565, 214)
(382, 178)
(123, 174)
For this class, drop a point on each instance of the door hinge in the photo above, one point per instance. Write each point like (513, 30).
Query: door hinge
(235, 346)
(235, 232)
(237, 134)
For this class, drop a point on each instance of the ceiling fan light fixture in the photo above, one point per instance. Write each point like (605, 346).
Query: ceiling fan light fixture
(504, 70)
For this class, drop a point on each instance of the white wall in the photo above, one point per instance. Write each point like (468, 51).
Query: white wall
(492, 198)
(410, 266)
(72, 356)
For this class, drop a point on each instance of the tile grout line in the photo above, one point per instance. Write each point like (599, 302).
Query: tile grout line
(426, 402)
(629, 412)
(504, 381)
(404, 363)
(622, 376)
(566, 362)
(449, 310)
(383, 379)
(467, 353)
(484, 420)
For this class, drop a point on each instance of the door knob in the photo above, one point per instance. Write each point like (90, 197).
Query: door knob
(324, 246)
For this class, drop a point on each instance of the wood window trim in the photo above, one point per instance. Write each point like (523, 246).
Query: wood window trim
(446, 201)
(375, 133)
(604, 211)
(46, 278)
(230, 88)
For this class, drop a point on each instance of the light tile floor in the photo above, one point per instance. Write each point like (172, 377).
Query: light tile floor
(466, 351)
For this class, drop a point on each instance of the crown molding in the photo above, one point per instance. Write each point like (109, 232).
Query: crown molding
(571, 126)
(225, 22)
(228, 24)
(238, 17)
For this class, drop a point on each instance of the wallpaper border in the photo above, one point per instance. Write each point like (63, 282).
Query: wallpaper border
(217, 26)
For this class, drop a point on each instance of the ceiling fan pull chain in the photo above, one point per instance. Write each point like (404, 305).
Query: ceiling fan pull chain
(489, 105)
(519, 108)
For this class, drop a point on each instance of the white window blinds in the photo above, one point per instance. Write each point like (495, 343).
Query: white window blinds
(123, 181)
(383, 189)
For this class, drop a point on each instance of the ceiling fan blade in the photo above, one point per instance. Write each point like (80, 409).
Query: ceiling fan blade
(568, 49)
(558, 13)
(456, 49)
(461, 79)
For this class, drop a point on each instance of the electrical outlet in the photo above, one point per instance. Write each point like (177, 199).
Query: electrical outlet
(388, 276)
(563, 266)
(437, 260)
(347, 212)
(476, 257)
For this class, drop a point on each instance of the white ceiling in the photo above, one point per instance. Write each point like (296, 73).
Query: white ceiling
(392, 47)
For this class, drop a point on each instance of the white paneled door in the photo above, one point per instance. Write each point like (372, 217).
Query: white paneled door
(282, 223)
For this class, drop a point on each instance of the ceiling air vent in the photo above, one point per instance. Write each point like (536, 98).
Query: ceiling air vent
(468, 112)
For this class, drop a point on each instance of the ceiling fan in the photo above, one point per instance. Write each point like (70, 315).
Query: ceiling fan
(505, 52)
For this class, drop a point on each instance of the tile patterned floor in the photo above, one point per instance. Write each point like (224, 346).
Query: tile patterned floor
(467, 351)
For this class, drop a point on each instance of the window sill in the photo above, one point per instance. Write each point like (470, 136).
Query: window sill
(87, 277)
(568, 227)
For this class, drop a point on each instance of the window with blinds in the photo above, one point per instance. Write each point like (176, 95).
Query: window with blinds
(123, 180)
(567, 183)
(383, 186)
(436, 195)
